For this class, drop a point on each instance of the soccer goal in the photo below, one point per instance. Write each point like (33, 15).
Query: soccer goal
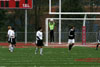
(86, 30)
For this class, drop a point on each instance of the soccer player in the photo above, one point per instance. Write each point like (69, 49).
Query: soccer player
(39, 41)
(11, 36)
(71, 39)
(98, 40)
(13, 42)
(51, 26)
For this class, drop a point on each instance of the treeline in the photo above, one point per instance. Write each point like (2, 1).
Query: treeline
(37, 15)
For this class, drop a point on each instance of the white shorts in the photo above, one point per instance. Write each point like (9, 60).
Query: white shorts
(98, 41)
(70, 41)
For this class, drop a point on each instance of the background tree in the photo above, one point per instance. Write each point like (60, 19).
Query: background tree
(73, 6)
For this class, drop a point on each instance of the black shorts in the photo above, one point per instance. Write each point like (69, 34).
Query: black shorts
(9, 40)
(13, 41)
(39, 43)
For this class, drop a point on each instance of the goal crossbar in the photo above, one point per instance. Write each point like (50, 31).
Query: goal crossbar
(73, 18)
(75, 13)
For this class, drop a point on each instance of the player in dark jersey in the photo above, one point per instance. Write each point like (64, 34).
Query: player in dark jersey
(98, 40)
(71, 36)
(14, 38)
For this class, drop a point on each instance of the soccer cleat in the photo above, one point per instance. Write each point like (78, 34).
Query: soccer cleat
(35, 53)
(11, 51)
(41, 54)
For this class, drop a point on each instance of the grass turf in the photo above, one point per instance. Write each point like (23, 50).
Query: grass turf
(53, 57)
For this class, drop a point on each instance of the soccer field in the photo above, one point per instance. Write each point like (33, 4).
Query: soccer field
(52, 57)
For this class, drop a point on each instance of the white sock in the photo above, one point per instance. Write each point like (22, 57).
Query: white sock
(36, 50)
(11, 48)
(41, 51)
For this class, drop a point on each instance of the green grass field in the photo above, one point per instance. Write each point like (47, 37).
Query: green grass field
(53, 57)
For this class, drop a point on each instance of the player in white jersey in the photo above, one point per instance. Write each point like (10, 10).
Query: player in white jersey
(39, 41)
(11, 35)
(8, 35)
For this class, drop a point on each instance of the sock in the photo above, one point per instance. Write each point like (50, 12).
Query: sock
(72, 45)
(97, 46)
(69, 46)
(11, 49)
(36, 50)
(41, 50)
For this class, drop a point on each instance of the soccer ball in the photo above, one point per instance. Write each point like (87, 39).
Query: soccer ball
(51, 20)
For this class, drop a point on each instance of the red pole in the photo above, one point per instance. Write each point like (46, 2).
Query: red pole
(84, 35)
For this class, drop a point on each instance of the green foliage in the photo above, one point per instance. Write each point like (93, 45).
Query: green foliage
(73, 6)
(3, 19)
(35, 17)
